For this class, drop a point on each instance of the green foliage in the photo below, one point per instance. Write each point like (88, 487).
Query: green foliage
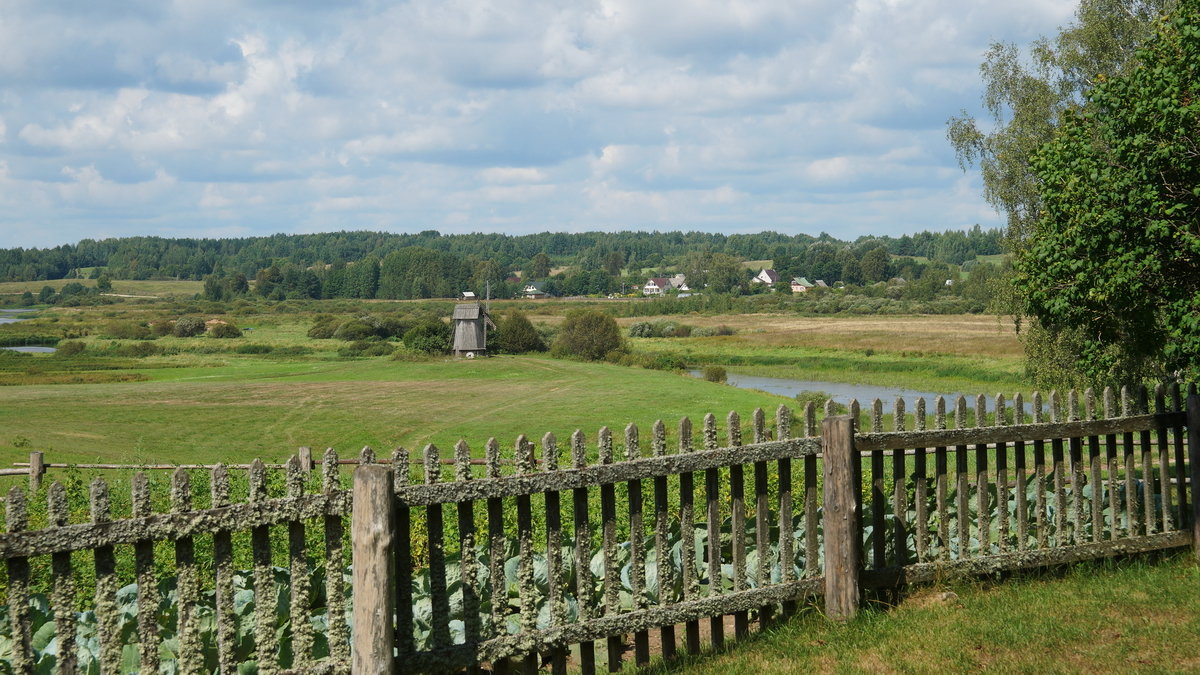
(587, 334)
(188, 326)
(715, 374)
(127, 330)
(430, 336)
(225, 330)
(661, 328)
(1116, 253)
(516, 335)
(69, 348)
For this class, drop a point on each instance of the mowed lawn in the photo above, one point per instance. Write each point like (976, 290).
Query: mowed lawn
(250, 407)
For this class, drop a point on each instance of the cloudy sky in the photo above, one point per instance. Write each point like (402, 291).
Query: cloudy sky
(245, 117)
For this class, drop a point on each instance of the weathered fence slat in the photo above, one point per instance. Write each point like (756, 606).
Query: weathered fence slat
(762, 518)
(62, 598)
(300, 608)
(1177, 406)
(712, 490)
(637, 553)
(266, 643)
(523, 452)
(1075, 445)
(921, 486)
(982, 482)
(1148, 489)
(435, 529)
(900, 528)
(468, 562)
(1114, 477)
(608, 534)
(962, 494)
(1004, 526)
(1094, 468)
(878, 499)
(811, 550)
(1058, 467)
(1019, 467)
(1039, 477)
(687, 532)
(554, 564)
(662, 545)
(187, 585)
(335, 585)
(226, 627)
(108, 627)
(737, 497)
(1164, 460)
(583, 554)
(1133, 518)
(940, 482)
(17, 520)
(497, 547)
(787, 553)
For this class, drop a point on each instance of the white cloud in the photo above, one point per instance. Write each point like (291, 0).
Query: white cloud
(519, 115)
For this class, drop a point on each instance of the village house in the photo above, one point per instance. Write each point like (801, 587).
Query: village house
(656, 286)
(766, 276)
(534, 290)
(801, 285)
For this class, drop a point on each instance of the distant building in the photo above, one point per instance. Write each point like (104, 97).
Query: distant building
(534, 290)
(801, 285)
(679, 283)
(766, 276)
(471, 322)
(656, 286)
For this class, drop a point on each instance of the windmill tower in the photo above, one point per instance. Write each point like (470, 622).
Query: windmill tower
(471, 321)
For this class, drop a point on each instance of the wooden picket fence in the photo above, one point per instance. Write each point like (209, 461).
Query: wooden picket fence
(611, 553)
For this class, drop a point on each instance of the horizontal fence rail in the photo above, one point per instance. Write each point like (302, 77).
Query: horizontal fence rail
(586, 554)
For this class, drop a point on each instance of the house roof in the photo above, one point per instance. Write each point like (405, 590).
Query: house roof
(770, 274)
(800, 281)
(535, 286)
(661, 282)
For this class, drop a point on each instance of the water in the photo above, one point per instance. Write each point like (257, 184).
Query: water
(843, 393)
(32, 349)
(6, 315)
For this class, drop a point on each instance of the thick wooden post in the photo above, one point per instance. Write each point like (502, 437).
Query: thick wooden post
(37, 469)
(371, 543)
(1193, 427)
(306, 460)
(843, 543)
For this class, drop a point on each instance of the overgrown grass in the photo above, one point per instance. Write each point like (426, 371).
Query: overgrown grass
(1132, 615)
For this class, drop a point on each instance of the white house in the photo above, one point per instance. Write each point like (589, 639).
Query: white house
(656, 286)
(766, 276)
(801, 285)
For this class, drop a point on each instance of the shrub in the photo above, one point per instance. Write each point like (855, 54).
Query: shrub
(253, 349)
(225, 330)
(430, 336)
(516, 335)
(379, 349)
(818, 399)
(354, 329)
(324, 328)
(162, 328)
(69, 348)
(715, 374)
(126, 330)
(588, 334)
(139, 349)
(188, 326)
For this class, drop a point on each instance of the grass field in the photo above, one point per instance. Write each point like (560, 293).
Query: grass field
(208, 404)
(1120, 616)
(159, 289)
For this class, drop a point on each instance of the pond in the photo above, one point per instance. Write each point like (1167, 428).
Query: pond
(843, 393)
(8, 315)
(32, 349)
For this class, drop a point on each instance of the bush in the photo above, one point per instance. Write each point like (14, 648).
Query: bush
(588, 334)
(139, 349)
(69, 348)
(516, 335)
(379, 349)
(324, 328)
(253, 349)
(188, 326)
(430, 336)
(818, 399)
(354, 329)
(126, 330)
(225, 330)
(162, 328)
(715, 374)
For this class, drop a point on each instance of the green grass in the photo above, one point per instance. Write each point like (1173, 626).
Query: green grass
(232, 408)
(158, 288)
(1136, 615)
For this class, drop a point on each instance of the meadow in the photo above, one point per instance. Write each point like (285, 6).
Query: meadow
(203, 401)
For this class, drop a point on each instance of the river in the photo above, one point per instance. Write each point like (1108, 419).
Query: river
(842, 392)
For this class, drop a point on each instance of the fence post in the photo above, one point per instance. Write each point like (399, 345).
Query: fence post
(1193, 431)
(306, 460)
(371, 545)
(843, 543)
(37, 469)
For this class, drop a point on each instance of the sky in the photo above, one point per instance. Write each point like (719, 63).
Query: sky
(224, 118)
